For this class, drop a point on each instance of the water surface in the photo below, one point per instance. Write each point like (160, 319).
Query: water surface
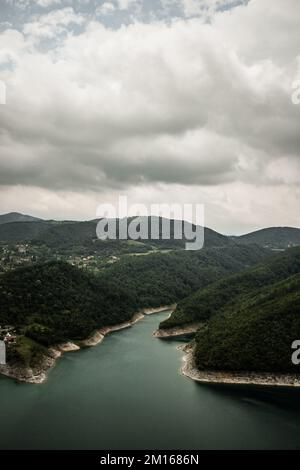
(127, 393)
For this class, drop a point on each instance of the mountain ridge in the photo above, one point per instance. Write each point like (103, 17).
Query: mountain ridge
(17, 217)
(19, 228)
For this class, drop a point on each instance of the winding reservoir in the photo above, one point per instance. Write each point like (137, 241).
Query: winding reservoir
(127, 393)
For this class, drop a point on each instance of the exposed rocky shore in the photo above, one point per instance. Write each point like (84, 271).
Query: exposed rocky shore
(150, 311)
(177, 331)
(38, 374)
(189, 370)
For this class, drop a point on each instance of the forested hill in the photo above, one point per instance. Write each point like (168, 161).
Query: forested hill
(19, 228)
(273, 237)
(55, 301)
(67, 234)
(17, 217)
(159, 279)
(254, 334)
(250, 319)
(222, 295)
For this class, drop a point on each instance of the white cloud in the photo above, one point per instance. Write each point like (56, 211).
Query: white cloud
(203, 8)
(47, 3)
(185, 110)
(125, 4)
(26, 3)
(52, 24)
(192, 7)
(105, 9)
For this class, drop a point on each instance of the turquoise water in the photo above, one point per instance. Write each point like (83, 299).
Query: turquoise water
(127, 393)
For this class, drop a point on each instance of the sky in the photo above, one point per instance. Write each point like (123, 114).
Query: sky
(163, 101)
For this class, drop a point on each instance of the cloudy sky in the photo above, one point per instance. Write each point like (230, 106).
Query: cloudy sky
(161, 100)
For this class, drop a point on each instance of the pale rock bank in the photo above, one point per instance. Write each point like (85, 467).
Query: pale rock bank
(177, 331)
(38, 374)
(271, 379)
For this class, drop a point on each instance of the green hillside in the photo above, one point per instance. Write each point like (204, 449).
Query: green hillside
(54, 302)
(22, 232)
(272, 237)
(66, 234)
(69, 302)
(205, 303)
(256, 333)
(160, 279)
(16, 217)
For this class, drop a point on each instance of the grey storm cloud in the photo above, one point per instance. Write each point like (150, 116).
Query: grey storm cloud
(183, 102)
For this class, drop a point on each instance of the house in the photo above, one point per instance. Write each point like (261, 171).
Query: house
(8, 338)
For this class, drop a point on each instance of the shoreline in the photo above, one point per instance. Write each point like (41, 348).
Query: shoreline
(38, 375)
(177, 331)
(151, 311)
(265, 379)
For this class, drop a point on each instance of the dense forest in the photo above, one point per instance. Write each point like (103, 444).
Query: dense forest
(239, 292)
(53, 302)
(204, 303)
(256, 333)
(66, 234)
(61, 235)
(250, 319)
(272, 237)
(159, 279)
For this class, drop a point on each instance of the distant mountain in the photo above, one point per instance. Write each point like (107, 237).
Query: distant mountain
(17, 217)
(66, 234)
(273, 237)
(22, 232)
(19, 228)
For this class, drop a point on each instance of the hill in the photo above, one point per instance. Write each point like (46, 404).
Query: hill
(22, 232)
(55, 302)
(273, 237)
(17, 217)
(250, 319)
(68, 301)
(205, 303)
(64, 235)
(255, 333)
(160, 278)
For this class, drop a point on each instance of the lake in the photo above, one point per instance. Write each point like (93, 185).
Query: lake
(128, 393)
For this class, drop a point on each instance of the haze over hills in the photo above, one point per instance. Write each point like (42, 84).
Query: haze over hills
(19, 228)
(273, 237)
(17, 217)
(65, 233)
